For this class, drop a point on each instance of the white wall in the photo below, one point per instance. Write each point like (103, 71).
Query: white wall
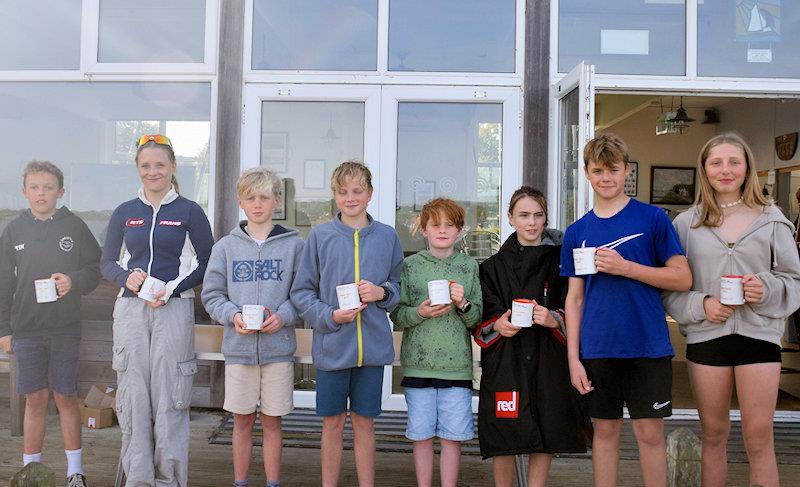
(760, 121)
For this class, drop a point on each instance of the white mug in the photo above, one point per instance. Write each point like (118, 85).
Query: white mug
(730, 290)
(583, 257)
(253, 316)
(439, 292)
(522, 312)
(150, 287)
(348, 297)
(45, 290)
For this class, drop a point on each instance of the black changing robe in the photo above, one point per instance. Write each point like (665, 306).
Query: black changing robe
(532, 363)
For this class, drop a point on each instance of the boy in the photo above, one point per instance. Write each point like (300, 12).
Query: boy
(255, 264)
(350, 346)
(437, 352)
(617, 339)
(45, 242)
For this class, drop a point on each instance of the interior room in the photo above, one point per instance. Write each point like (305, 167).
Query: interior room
(665, 133)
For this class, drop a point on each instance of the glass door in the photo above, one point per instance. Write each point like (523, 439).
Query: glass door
(461, 143)
(303, 132)
(573, 108)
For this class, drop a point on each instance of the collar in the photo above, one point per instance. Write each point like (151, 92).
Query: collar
(171, 196)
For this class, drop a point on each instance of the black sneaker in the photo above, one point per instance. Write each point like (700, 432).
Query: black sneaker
(76, 480)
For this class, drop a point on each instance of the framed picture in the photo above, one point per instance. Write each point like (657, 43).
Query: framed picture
(279, 213)
(424, 191)
(672, 185)
(314, 175)
(274, 151)
(632, 180)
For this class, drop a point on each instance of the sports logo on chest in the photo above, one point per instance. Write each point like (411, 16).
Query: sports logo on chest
(170, 223)
(19, 247)
(66, 243)
(134, 222)
(257, 270)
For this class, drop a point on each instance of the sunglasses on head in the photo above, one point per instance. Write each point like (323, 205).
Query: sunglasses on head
(157, 138)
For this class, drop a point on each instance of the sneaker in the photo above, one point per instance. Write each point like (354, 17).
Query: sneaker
(76, 480)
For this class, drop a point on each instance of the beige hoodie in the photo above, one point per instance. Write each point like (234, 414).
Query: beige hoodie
(766, 249)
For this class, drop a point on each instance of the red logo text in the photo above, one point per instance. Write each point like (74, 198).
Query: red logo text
(506, 404)
(134, 222)
(170, 223)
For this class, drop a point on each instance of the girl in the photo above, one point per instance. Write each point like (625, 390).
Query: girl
(166, 236)
(526, 368)
(733, 230)
(437, 353)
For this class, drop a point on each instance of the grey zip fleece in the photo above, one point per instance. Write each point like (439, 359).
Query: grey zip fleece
(766, 249)
(242, 272)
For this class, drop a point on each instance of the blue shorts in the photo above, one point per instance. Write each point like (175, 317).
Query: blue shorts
(362, 385)
(444, 412)
(44, 361)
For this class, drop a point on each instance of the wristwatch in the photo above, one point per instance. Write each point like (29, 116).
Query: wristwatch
(465, 308)
(385, 293)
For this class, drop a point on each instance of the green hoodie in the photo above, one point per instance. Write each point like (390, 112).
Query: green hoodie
(438, 347)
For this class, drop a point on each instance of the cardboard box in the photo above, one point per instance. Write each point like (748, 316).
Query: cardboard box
(97, 409)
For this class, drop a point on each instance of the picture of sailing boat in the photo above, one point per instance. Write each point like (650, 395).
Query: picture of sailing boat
(758, 20)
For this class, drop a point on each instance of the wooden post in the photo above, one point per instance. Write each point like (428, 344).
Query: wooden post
(683, 458)
(17, 400)
(34, 474)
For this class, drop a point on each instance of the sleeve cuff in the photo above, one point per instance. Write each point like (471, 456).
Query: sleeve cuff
(485, 335)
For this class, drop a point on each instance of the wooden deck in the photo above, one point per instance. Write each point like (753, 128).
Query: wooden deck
(210, 465)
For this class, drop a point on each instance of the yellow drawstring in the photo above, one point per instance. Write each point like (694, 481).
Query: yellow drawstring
(358, 316)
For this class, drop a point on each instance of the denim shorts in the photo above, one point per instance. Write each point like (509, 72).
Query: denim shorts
(44, 361)
(363, 386)
(443, 412)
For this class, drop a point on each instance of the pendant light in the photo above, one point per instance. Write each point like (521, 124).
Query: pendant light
(681, 120)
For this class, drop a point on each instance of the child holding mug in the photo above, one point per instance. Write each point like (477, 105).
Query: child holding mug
(733, 230)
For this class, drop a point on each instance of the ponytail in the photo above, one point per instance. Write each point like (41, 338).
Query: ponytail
(175, 184)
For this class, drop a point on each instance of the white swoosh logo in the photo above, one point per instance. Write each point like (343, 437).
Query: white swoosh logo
(657, 405)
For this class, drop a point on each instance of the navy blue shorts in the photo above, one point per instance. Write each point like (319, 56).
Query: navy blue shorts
(47, 361)
(362, 385)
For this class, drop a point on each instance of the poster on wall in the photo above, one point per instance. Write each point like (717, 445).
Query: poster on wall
(279, 212)
(672, 185)
(758, 20)
(632, 179)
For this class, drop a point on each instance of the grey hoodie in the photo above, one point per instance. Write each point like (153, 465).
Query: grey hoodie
(765, 249)
(240, 272)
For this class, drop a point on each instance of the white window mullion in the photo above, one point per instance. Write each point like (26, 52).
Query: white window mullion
(90, 33)
(383, 37)
(691, 39)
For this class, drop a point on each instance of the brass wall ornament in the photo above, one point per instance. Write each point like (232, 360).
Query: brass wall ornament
(786, 146)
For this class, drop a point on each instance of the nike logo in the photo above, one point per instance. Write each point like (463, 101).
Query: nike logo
(659, 405)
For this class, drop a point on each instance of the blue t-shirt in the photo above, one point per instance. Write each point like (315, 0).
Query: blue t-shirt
(623, 318)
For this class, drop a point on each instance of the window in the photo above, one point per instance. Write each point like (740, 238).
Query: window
(96, 153)
(749, 39)
(624, 36)
(323, 35)
(40, 35)
(452, 35)
(152, 31)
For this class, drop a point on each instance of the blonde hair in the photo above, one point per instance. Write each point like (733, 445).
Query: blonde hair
(351, 169)
(434, 208)
(710, 212)
(258, 180)
(43, 166)
(606, 150)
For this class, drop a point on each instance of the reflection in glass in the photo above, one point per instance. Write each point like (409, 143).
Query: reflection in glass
(96, 153)
(569, 144)
(152, 31)
(324, 35)
(40, 35)
(451, 150)
(623, 36)
(749, 38)
(303, 142)
(452, 35)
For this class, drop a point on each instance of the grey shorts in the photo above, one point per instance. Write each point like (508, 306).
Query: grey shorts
(47, 361)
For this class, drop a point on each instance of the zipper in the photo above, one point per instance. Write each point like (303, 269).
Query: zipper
(152, 230)
(258, 301)
(358, 316)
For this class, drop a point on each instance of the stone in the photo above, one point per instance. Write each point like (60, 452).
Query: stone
(34, 474)
(683, 458)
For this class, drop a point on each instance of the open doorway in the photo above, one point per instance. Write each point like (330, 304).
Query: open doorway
(667, 155)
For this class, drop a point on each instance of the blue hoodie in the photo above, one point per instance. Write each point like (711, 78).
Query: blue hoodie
(241, 272)
(328, 260)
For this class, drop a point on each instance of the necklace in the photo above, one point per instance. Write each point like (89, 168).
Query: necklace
(731, 205)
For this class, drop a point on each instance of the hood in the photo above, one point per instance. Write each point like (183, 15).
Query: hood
(550, 237)
(60, 214)
(428, 257)
(278, 231)
(345, 230)
(171, 196)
